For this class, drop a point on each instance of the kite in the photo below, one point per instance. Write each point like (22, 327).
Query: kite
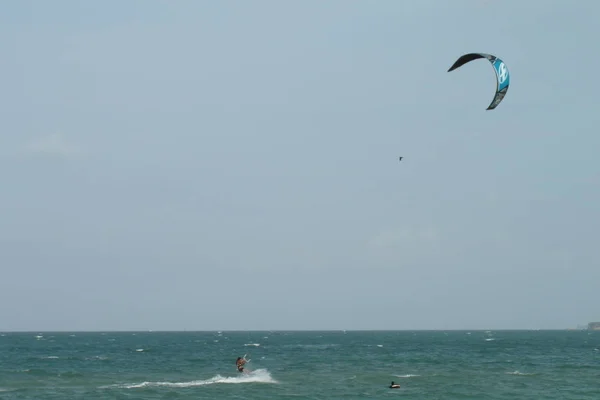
(502, 75)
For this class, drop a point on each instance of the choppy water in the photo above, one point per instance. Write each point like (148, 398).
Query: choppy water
(301, 365)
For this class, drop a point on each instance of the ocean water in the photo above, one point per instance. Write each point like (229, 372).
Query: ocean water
(301, 365)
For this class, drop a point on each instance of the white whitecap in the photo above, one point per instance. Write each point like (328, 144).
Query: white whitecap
(519, 373)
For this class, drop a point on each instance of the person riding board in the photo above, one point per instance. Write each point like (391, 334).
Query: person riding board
(394, 386)
(239, 363)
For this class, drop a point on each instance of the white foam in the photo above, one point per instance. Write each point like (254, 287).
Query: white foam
(315, 346)
(407, 376)
(257, 376)
(252, 344)
(519, 373)
(97, 358)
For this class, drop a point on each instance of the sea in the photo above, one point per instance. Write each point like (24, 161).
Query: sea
(449, 365)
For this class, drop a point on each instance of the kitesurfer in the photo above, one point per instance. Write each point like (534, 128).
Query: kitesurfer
(239, 363)
(394, 386)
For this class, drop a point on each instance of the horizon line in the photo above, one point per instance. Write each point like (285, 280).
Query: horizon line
(294, 330)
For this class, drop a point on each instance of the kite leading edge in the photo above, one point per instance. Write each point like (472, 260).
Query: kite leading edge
(502, 75)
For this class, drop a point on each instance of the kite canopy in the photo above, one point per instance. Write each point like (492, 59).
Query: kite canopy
(502, 75)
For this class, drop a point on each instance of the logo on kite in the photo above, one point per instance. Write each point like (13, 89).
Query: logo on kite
(502, 75)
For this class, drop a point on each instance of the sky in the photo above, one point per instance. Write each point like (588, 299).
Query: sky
(226, 165)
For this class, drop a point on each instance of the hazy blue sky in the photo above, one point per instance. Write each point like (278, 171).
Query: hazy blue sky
(234, 165)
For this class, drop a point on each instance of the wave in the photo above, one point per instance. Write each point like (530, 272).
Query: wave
(257, 376)
(407, 376)
(313, 346)
(36, 371)
(520, 373)
(39, 372)
(102, 358)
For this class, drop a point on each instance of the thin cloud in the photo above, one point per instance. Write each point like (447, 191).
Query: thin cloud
(405, 245)
(403, 237)
(54, 145)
